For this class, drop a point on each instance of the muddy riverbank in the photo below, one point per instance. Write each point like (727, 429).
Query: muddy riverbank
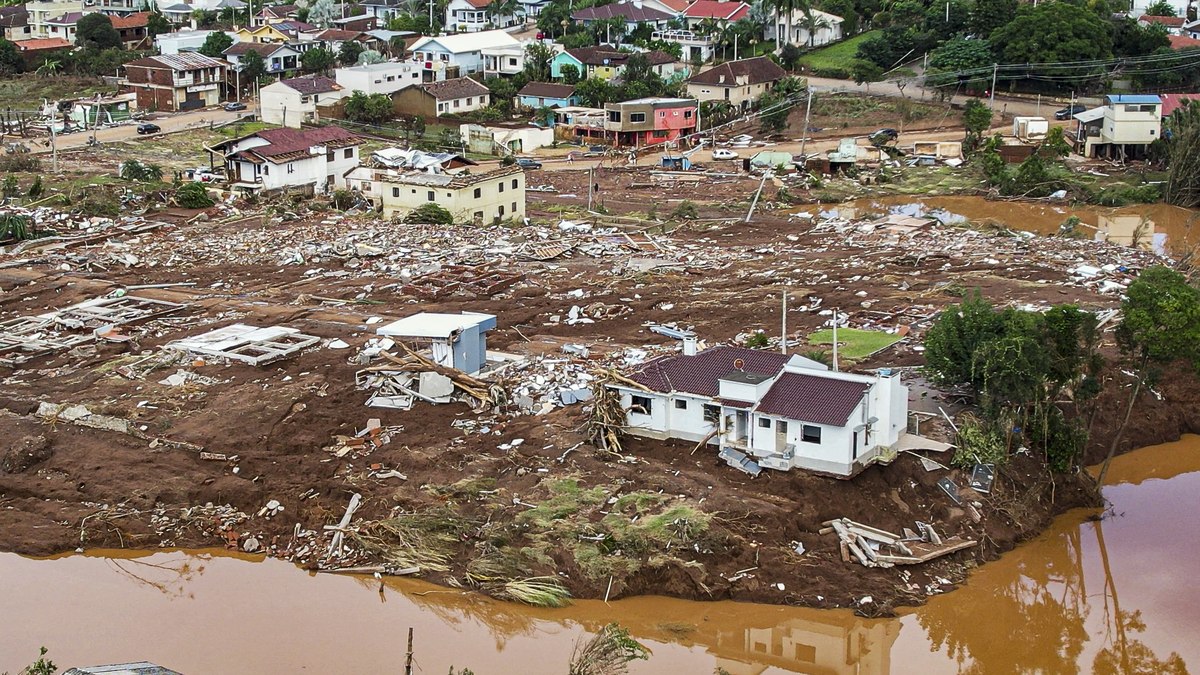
(1082, 594)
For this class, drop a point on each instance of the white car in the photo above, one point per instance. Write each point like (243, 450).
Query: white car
(722, 153)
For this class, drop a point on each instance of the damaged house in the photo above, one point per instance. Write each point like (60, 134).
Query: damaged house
(764, 409)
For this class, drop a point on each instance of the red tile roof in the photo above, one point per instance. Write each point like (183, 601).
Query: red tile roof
(677, 5)
(547, 90)
(1182, 42)
(620, 10)
(137, 20)
(284, 141)
(42, 43)
(706, 9)
(699, 374)
(757, 70)
(1172, 102)
(812, 398)
(1168, 21)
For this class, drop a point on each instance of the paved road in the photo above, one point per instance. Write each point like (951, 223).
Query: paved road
(917, 93)
(196, 119)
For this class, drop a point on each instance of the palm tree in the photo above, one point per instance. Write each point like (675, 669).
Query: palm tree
(49, 68)
(812, 23)
(499, 9)
(784, 9)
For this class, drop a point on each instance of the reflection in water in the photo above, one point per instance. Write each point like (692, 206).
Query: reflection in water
(1051, 606)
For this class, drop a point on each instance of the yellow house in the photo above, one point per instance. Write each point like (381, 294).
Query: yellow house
(261, 35)
(469, 197)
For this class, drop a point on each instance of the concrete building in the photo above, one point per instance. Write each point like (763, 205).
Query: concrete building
(278, 58)
(449, 97)
(456, 341)
(470, 197)
(547, 95)
(650, 121)
(119, 7)
(765, 409)
(181, 41)
(794, 29)
(503, 140)
(15, 22)
(606, 63)
(275, 159)
(177, 82)
(449, 56)
(388, 77)
(473, 16)
(738, 83)
(293, 103)
(42, 11)
(1123, 128)
(695, 48)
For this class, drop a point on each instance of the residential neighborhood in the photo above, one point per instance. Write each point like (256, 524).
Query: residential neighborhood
(817, 312)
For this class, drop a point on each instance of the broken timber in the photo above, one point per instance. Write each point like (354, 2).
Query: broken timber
(867, 544)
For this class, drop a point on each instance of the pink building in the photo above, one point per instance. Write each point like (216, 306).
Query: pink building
(649, 121)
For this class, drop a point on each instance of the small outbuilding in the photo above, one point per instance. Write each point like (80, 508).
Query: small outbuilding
(457, 340)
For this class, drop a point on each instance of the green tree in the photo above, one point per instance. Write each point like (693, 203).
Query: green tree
(594, 92)
(990, 15)
(368, 57)
(977, 119)
(215, 44)
(96, 31)
(955, 56)
(1131, 38)
(252, 65)
(157, 24)
(775, 106)
(1160, 8)
(317, 60)
(322, 13)
(863, 71)
(570, 73)
(36, 189)
(959, 333)
(1181, 145)
(1055, 32)
(193, 196)
(429, 214)
(42, 666)
(789, 56)
(349, 51)
(538, 56)
(11, 62)
(1160, 325)
(368, 108)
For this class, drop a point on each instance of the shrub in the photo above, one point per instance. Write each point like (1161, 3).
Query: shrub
(342, 200)
(758, 340)
(193, 196)
(134, 170)
(686, 211)
(429, 214)
(978, 443)
(36, 189)
(20, 162)
(15, 226)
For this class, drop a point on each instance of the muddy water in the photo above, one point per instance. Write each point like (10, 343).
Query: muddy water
(1110, 596)
(1179, 226)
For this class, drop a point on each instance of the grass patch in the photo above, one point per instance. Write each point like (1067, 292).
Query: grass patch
(424, 540)
(567, 498)
(27, 91)
(836, 56)
(854, 344)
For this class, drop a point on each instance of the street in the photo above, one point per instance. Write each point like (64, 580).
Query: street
(168, 122)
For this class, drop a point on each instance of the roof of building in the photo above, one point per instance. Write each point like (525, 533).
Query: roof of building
(231, 4)
(459, 87)
(285, 145)
(620, 10)
(469, 42)
(180, 61)
(136, 20)
(67, 19)
(43, 43)
(757, 70)
(547, 90)
(446, 180)
(264, 49)
(1172, 102)
(1168, 21)
(338, 35)
(700, 373)
(1183, 42)
(607, 56)
(311, 84)
(655, 100)
(434, 324)
(677, 5)
(278, 10)
(715, 9)
(813, 398)
(12, 17)
(479, 4)
(180, 7)
(1133, 98)
(355, 17)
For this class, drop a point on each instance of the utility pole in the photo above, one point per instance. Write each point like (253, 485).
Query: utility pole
(804, 131)
(591, 184)
(992, 102)
(835, 323)
(53, 144)
(783, 329)
(409, 655)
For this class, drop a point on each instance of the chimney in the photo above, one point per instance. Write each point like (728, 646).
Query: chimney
(689, 345)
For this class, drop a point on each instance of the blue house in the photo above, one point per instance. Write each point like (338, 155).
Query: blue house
(547, 95)
(563, 58)
(456, 340)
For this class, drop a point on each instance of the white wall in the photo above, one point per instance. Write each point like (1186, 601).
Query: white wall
(462, 105)
(379, 78)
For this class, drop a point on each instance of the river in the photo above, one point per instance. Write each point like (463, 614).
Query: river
(1110, 596)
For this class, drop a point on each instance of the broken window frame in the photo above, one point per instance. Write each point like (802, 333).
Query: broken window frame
(711, 413)
(641, 405)
(810, 433)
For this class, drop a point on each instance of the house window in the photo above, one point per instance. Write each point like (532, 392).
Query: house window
(637, 117)
(681, 404)
(501, 187)
(512, 61)
(265, 171)
(391, 78)
(457, 103)
(640, 405)
(500, 212)
(687, 114)
(291, 168)
(712, 413)
(349, 153)
(614, 116)
(660, 133)
(514, 207)
(429, 195)
(395, 192)
(811, 434)
(764, 422)
(514, 183)
(781, 427)
(478, 193)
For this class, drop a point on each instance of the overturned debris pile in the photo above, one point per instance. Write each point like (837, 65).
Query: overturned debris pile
(873, 547)
(401, 381)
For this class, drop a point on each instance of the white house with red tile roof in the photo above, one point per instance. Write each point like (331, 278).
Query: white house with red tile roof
(764, 409)
(274, 159)
(726, 11)
(1172, 24)
(811, 28)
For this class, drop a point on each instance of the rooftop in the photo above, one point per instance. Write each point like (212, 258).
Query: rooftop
(757, 70)
(43, 43)
(180, 61)
(435, 325)
(701, 372)
(813, 398)
(725, 11)
(1169, 21)
(620, 10)
(459, 87)
(311, 84)
(608, 56)
(468, 42)
(1133, 98)
(547, 90)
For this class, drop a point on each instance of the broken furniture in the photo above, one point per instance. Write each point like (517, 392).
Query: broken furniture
(246, 343)
(27, 337)
(457, 341)
(873, 547)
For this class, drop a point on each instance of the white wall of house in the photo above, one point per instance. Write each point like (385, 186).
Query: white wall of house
(1131, 123)
(740, 95)
(795, 30)
(500, 197)
(379, 78)
(462, 105)
(316, 169)
(41, 11)
(287, 107)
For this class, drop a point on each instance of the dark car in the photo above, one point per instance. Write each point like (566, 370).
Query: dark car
(526, 163)
(148, 128)
(882, 136)
(1069, 112)
(234, 106)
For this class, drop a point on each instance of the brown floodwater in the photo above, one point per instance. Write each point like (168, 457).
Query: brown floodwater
(1179, 226)
(1109, 596)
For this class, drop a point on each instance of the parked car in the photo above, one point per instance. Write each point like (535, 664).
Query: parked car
(526, 163)
(1069, 112)
(148, 128)
(234, 106)
(724, 153)
(881, 136)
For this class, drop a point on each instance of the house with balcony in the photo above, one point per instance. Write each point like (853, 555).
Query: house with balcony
(42, 11)
(473, 16)
(1123, 128)
(805, 29)
(450, 56)
(694, 47)
(388, 77)
(764, 409)
(650, 121)
(177, 82)
(447, 97)
(384, 10)
(278, 58)
(738, 83)
(293, 103)
(119, 7)
(277, 159)
(632, 12)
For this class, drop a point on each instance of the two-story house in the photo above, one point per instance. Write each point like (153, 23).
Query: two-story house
(119, 7)
(1122, 129)
(447, 97)
(724, 12)
(450, 56)
(134, 30)
(606, 63)
(63, 27)
(278, 58)
(388, 77)
(811, 28)
(650, 121)
(276, 159)
(473, 16)
(547, 95)
(42, 11)
(293, 103)
(470, 197)
(275, 14)
(184, 81)
(738, 83)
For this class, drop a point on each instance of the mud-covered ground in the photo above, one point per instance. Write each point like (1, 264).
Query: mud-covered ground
(475, 508)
